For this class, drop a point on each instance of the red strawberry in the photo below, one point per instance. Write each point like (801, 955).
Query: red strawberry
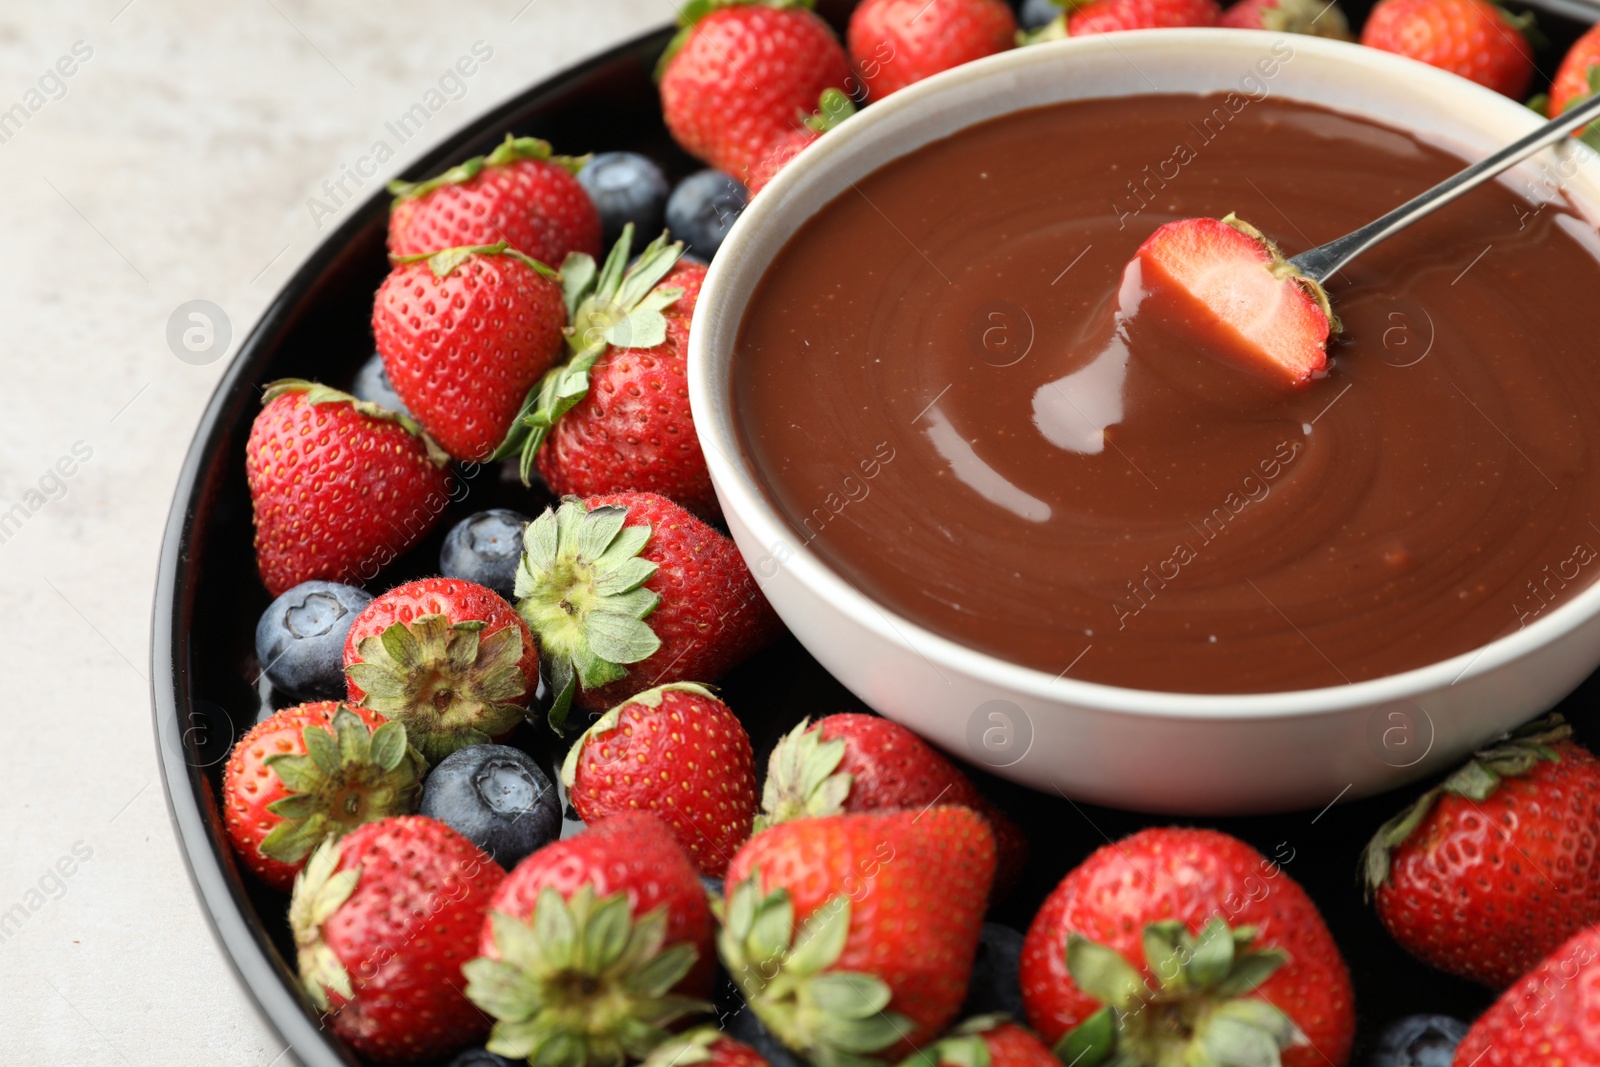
(853, 762)
(1550, 1018)
(1171, 926)
(594, 945)
(1578, 78)
(281, 800)
(448, 658)
(616, 416)
(741, 73)
(704, 1045)
(464, 334)
(1492, 869)
(1224, 272)
(1084, 17)
(833, 107)
(679, 753)
(987, 1041)
(1473, 38)
(1319, 18)
(339, 487)
(383, 920)
(894, 43)
(630, 591)
(853, 935)
(519, 194)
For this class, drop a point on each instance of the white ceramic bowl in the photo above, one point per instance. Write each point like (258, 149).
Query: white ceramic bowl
(1150, 751)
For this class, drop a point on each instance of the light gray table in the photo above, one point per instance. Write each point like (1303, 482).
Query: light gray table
(176, 161)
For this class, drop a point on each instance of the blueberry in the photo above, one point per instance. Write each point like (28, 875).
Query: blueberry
(703, 208)
(485, 548)
(496, 797)
(300, 638)
(1036, 13)
(996, 982)
(482, 1057)
(1418, 1041)
(372, 385)
(626, 187)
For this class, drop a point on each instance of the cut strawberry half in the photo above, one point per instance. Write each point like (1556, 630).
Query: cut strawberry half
(1268, 314)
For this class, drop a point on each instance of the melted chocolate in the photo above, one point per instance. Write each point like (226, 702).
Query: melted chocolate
(929, 381)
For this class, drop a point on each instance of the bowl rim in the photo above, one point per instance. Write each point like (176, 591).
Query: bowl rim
(739, 483)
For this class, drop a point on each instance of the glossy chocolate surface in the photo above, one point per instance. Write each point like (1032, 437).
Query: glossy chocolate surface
(930, 381)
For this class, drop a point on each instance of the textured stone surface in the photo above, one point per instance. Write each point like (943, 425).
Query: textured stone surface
(175, 164)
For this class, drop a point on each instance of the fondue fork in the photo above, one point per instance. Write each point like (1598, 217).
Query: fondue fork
(1323, 261)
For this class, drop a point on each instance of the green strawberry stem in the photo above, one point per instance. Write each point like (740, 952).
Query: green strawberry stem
(451, 686)
(963, 1046)
(347, 776)
(318, 893)
(1590, 134)
(1199, 1008)
(583, 983)
(317, 393)
(1518, 753)
(580, 588)
(694, 10)
(511, 150)
(685, 1049)
(833, 1018)
(650, 698)
(833, 107)
(801, 779)
(617, 306)
(444, 262)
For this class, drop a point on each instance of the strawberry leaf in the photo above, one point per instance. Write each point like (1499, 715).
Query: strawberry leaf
(317, 393)
(511, 150)
(1091, 1042)
(1102, 973)
(1515, 755)
(579, 588)
(801, 778)
(447, 683)
(583, 982)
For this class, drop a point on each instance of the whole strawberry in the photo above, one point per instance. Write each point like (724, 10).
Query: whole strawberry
(986, 1041)
(383, 921)
(1549, 1018)
(615, 417)
(448, 658)
(311, 772)
(679, 753)
(594, 945)
(853, 763)
(853, 935)
(519, 194)
(704, 1045)
(1473, 38)
(1084, 17)
(464, 334)
(1185, 946)
(1578, 77)
(1492, 869)
(339, 487)
(630, 591)
(894, 43)
(833, 107)
(1318, 18)
(741, 73)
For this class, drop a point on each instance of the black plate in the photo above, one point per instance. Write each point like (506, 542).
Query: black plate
(208, 595)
